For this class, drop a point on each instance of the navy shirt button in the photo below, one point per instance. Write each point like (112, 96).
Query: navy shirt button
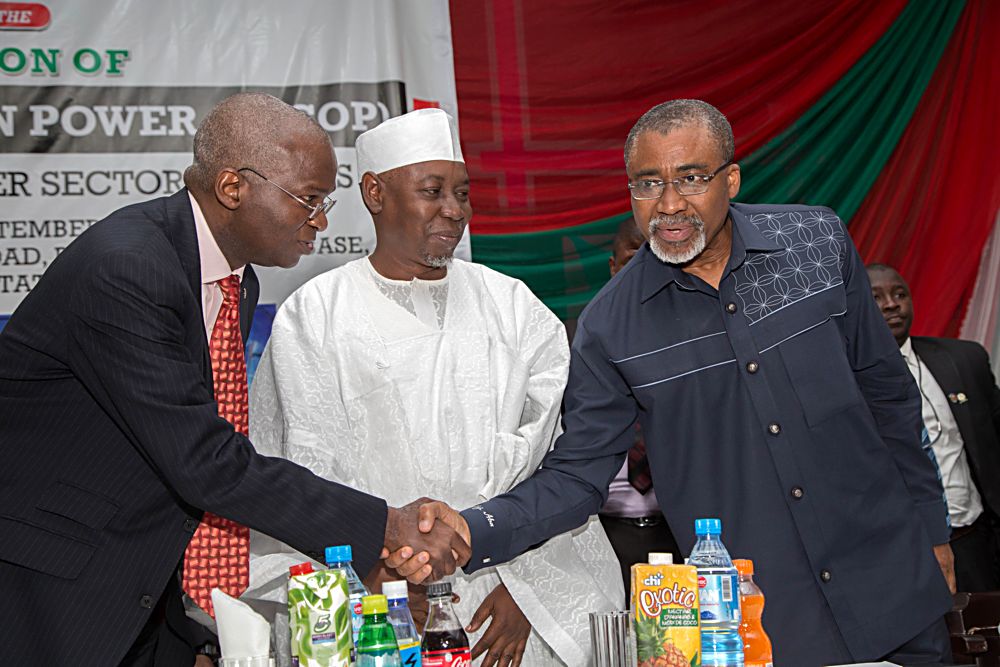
(752, 367)
(797, 492)
(825, 576)
(146, 602)
(190, 525)
(730, 307)
(774, 428)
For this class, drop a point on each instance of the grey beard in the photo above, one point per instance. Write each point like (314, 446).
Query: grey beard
(438, 262)
(683, 254)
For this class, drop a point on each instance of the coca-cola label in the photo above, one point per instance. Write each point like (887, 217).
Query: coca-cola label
(457, 657)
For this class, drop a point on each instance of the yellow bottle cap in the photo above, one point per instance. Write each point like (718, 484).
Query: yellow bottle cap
(374, 604)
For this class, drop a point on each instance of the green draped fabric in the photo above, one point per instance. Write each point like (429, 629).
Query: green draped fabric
(835, 151)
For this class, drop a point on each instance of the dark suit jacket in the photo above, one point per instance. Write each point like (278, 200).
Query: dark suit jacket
(111, 446)
(963, 367)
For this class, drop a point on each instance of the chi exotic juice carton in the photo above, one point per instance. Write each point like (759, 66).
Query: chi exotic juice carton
(665, 608)
(319, 618)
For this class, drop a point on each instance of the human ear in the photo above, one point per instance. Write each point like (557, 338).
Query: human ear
(733, 180)
(227, 188)
(372, 192)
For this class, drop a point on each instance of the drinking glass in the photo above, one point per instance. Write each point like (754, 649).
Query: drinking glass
(612, 639)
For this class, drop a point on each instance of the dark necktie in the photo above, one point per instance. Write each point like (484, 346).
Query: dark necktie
(218, 555)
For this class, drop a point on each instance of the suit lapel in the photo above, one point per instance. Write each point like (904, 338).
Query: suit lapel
(945, 372)
(180, 229)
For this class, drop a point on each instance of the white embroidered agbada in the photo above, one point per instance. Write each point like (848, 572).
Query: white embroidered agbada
(449, 389)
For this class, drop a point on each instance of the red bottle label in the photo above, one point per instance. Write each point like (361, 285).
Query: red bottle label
(458, 657)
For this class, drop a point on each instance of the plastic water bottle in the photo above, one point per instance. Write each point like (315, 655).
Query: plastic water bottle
(756, 644)
(719, 597)
(377, 641)
(407, 637)
(340, 557)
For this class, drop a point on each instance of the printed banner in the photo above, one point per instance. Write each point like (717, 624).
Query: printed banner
(99, 104)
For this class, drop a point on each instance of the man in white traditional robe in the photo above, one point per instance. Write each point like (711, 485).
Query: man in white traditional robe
(409, 373)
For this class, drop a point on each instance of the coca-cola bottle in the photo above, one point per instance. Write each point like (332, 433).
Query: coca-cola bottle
(445, 643)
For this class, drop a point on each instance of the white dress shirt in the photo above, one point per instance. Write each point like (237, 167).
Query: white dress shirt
(964, 502)
(214, 267)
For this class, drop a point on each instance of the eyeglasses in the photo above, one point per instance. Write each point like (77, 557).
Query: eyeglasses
(314, 209)
(691, 184)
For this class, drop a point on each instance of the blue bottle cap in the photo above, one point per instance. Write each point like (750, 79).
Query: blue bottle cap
(338, 554)
(707, 526)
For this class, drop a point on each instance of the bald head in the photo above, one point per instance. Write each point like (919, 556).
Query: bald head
(248, 130)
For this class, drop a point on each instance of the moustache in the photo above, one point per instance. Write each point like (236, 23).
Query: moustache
(658, 221)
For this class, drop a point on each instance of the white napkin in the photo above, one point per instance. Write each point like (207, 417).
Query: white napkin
(243, 633)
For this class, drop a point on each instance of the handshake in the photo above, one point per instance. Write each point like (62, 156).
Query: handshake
(425, 540)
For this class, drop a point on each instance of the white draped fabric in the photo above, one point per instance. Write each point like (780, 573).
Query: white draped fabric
(459, 403)
(982, 318)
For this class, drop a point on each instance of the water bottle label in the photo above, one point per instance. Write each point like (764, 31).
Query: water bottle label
(409, 654)
(719, 597)
(357, 616)
(461, 657)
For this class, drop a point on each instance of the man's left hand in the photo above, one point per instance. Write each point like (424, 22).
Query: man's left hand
(946, 560)
(507, 634)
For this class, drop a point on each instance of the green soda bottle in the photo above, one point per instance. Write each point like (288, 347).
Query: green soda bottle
(377, 641)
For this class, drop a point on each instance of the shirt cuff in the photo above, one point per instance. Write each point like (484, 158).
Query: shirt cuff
(935, 517)
(487, 539)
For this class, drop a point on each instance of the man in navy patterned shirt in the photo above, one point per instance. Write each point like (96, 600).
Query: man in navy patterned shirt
(744, 340)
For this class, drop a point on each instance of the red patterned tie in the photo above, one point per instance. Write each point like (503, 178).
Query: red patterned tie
(218, 555)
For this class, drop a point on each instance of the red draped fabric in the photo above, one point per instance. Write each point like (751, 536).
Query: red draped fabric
(548, 91)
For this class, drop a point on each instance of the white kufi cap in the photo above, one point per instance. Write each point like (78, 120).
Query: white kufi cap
(418, 136)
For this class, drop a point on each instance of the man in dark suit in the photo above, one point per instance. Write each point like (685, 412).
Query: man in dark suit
(961, 410)
(112, 438)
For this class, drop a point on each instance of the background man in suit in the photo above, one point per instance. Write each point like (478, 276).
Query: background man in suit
(123, 410)
(961, 410)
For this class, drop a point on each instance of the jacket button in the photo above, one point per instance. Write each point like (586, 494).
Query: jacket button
(825, 576)
(752, 367)
(730, 307)
(797, 492)
(190, 525)
(146, 602)
(774, 428)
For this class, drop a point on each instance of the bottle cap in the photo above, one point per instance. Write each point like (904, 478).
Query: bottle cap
(707, 526)
(395, 590)
(743, 565)
(374, 604)
(439, 589)
(657, 558)
(301, 568)
(339, 554)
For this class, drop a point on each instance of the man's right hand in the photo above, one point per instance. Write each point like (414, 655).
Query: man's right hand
(432, 515)
(436, 547)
